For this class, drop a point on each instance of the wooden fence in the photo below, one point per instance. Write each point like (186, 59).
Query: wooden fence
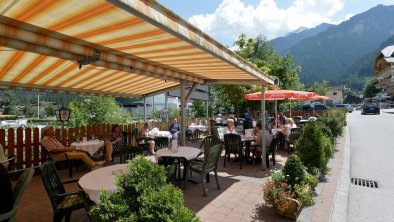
(24, 144)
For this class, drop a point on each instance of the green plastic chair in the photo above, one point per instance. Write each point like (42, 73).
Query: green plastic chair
(161, 142)
(233, 145)
(171, 166)
(129, 153)
(209, 164)
(63, 203)
(141, 142)
(20, 188)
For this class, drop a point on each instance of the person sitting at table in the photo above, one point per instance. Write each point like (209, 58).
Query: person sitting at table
(144, 135)
(258, 138)
(114, 143)
(174, 127)
(230, 128)
(218, 119)
(57, 150)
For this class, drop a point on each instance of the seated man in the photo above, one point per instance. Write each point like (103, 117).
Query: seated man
(258, 138)
(175, 127)
(57, 150)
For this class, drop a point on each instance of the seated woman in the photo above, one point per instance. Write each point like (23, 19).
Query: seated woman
(114, 142)
(57, 150)
(230, 128)
(258, 138)
(144, 134)
(286, 130)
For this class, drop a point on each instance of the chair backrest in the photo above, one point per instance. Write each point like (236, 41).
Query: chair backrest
(136, 133)
(20, 188)
(129, 153)
(273, 145)
(161, 142)
(52, 183)
(232, 143)
(295, 133)
(211, 157)
(125, 137)
(209, 141)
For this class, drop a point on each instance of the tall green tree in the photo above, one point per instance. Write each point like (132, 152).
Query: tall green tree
(198, 108)
(96, 110)
(9, 103)
(370, 90)
(320, 88)
(31, 111)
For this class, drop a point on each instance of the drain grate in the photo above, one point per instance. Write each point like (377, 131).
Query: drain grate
(364, 183)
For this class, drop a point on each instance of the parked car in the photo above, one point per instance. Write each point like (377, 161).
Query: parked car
(347, 107)
(310, 107)
(358, 106)
(370, 108)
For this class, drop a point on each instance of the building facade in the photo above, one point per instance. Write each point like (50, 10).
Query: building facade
(337, 95)
(384, 71)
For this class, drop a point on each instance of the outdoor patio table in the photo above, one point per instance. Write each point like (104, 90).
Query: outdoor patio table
(89, 146)
(199, 127)
(101, 179)
(153, 134)
(184, 154)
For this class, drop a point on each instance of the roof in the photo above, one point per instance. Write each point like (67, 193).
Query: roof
(121, 48)
(384, 58)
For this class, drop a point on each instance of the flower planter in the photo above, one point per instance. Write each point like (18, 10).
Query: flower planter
(291, 211)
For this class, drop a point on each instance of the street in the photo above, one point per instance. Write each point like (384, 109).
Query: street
(372, 158)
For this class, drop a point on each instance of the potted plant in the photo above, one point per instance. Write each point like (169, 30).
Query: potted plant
(278, 194)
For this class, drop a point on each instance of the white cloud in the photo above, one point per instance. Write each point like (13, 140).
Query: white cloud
(233, 17)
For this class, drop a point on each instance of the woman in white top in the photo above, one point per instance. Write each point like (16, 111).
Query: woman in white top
(230, 128)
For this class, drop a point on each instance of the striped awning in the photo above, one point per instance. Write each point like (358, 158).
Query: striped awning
(122, 48)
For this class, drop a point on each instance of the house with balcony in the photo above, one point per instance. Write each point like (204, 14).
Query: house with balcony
(384, 71)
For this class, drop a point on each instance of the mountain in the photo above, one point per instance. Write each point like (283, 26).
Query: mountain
(329, 54)
(363, 67)
(282, 44)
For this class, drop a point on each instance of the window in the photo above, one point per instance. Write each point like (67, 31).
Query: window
(334, 93)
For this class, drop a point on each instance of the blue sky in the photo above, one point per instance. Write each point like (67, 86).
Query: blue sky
(224, 20)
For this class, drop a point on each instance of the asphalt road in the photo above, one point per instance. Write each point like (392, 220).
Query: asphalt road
(372, 158)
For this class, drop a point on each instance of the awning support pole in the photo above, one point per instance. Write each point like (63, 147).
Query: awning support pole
(183, 120)
(144, 109)
(263, 148)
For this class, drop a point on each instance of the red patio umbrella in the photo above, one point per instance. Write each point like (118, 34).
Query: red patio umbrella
(281, 95)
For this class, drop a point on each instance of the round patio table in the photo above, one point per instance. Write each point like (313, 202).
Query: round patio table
(101, 179)
(89, 146)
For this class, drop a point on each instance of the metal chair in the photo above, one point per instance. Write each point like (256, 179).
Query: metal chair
(208, 165)
(129, 153)
(161, 142)
(233, 145)
(272, 150)
(63, 203)
(295, 133)
(20, 188)
(141, 142)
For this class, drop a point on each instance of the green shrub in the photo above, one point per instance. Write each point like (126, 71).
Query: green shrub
(304, 194)
(142, 195)
(310, 147)
(328, 148)
(294, 171)
(278, 176)
(335, 120)
(8, 117)
(326, 131)
(311, 180)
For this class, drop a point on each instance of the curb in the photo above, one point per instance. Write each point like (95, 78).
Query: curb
(341, 201)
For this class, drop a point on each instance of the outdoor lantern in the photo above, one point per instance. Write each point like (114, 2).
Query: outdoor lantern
(232, 109)
(63, 114)
(187, 112)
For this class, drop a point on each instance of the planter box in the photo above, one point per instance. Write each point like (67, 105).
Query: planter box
(291, 211)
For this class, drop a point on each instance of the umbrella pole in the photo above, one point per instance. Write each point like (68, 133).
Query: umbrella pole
(276, 114)
(290, 107)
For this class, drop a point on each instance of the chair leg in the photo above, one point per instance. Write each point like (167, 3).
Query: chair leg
(240, 160)
(225, 156)
(273, 157)
(207, 177)
(70, 168)
(217, 179)
(204, 189)
(68, 217)
(267, 160)
(58, 217)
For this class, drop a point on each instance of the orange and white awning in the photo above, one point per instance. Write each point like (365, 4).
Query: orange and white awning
(122, 48)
